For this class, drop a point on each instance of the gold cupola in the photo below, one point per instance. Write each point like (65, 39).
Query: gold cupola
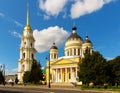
(53, 52)
(73, 43)
(87, 43)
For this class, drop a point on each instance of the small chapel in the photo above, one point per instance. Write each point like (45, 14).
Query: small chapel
(64, 69)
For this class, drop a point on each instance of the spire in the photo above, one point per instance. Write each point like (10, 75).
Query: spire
(74, 28)
(28, 16)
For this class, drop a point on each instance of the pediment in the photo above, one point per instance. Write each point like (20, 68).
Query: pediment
(64, 62)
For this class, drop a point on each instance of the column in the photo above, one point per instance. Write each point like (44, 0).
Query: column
(77, 51)
(56, 75)
(73, 52)
(53, 75)
(66, 75)
(61, 75)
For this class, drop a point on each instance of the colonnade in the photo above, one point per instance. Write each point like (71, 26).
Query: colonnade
(67, 74)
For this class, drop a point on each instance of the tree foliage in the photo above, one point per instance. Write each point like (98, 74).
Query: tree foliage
(36, 72)
(92, 68)
(34, 75)
(114, 68)
(16, 80)
(1, 78)
(27, 77)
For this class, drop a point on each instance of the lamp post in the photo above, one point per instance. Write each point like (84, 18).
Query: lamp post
(48, 59)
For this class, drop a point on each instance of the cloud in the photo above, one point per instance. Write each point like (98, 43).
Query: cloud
(16, 34)
(45, 38)
(17, 23)
(14, 21)
(76, 8)
(11, 71)
(109, 58)
(82, 7)
(2, 15)
(46, 17)
(52, 7)
(9, 19)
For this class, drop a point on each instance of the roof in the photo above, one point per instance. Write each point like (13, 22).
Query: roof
(54, 46)
(87, 40)
(74, 34)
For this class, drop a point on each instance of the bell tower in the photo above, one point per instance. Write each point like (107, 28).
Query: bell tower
(27, 50)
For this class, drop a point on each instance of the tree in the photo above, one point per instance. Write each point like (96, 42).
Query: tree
(36, 72)
(27, 77)
(16, 80)
(34, 75)
(92, 68)
(115, 70)
(1, 78)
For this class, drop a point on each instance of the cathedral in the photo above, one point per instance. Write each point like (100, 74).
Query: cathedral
(27, 50)
(64, 69)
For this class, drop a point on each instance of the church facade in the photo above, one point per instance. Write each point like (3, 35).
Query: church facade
(27, 50)
(64, 69)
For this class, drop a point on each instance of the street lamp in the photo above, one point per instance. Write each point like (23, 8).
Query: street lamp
(48, 59)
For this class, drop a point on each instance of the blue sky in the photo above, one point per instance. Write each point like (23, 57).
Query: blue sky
(52, 21)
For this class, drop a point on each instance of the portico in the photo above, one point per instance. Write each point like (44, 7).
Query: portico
(64, 74)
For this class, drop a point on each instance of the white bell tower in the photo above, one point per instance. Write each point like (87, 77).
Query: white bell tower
(27, 50)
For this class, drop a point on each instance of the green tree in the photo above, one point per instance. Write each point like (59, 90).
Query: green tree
(16, 80)
(34, 75)
(115, 70)
(27, 77)
(1, 78)
(92, 68)
(36, 72)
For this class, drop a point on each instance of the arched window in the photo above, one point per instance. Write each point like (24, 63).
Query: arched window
(74, 51)
(23, 55)
(54, 56)
(31, 44)
(24, 43)
(32, 56)
(67, 53)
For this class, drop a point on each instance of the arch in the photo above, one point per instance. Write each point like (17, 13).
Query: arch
(32, 56)
(31, 45)
(23, 55)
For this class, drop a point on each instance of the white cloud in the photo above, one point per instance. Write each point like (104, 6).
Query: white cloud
(14, 21)
(46, 17)
(17, 23)
(46, 37)
(52, 7)
(11, 72)
(82, 7)
(16, 34)
(9, 19)
(2, 15)
(109, 58)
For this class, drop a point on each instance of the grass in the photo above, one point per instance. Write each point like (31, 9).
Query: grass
(101, 88)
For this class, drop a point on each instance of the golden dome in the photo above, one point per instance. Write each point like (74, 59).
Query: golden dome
(27, 27)
(74, 35)
(74, 39)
